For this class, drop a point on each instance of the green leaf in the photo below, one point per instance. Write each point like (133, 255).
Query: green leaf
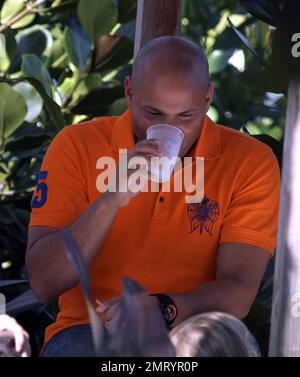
(33, 99)
(57, 57)
(32, 66)
(33, 40)
(98, 100)
(224, 41)
(218, 60)
(25, 21)
(126, 10)
(27, 142)
(118, 107)
(8, 47)
(263, 81)
(246, 43)
(91, 81)
(3, 169)
(3, 174)
(13, 110)
(60, 7)
(127, 30)
(26, 153)
(3, 178)
(267, 11)
(97, 17)
(77, 47)
(120, 54)
(12, 8)
(51, 106)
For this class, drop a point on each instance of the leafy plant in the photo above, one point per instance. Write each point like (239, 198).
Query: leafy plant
(64, 61)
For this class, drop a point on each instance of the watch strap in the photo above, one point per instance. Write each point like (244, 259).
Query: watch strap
(167, 307)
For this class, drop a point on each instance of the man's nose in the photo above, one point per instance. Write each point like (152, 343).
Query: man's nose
(172, 121)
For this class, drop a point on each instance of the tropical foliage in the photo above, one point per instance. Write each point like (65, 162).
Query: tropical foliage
(64, 61)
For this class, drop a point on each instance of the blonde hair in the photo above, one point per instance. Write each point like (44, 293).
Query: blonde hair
(213, 334)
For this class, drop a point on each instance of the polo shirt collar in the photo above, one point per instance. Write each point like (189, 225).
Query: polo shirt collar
(208, 144)
(122, 134)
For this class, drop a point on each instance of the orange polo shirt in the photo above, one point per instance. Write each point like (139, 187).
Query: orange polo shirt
(159, 240)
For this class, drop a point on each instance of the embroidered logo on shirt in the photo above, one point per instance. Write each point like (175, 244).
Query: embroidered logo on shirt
(203, 215)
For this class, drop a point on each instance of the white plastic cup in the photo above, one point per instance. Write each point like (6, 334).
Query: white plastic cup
(171, 139)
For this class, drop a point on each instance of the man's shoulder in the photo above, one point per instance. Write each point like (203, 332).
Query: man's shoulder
(97, 131)
(236, 142)
(242, 152)
(102, 125)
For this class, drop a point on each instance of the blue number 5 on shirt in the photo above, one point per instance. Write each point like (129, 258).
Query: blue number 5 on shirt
(40, 196)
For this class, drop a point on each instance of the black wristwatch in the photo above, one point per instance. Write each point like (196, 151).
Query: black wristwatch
(168, 308)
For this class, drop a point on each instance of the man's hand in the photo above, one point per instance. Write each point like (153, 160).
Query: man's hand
(20, 335)
(107, 310)
(146, 149)
(110, 311)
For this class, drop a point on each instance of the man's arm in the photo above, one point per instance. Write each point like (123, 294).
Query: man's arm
(50, 271)
(240, 269)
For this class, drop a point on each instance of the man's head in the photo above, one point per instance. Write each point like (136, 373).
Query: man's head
(170, 84)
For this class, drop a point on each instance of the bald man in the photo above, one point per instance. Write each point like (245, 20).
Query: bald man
(192, 258)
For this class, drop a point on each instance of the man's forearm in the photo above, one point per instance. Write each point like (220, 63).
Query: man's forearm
(223, 295)
(50, 279)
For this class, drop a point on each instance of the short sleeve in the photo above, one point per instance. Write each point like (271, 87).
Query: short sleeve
(60, 195)
(252, 214)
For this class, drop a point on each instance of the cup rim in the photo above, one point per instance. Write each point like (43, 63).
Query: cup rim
(170, 126)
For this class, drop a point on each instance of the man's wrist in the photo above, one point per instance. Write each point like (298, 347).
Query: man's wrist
(168, 308)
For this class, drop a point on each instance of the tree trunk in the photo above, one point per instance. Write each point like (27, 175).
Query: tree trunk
(285, 325)
(156, 18)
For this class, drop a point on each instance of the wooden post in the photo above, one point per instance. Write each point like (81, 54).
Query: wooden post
(156, 18)
(285, 324)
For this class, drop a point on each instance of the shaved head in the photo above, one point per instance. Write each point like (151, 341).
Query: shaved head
(171, 55)
(170, 84)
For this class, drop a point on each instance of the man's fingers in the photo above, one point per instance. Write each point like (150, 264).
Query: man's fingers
(141, 161)
(104, 306)
(25, 350)
(20, 335)
(110, 312)
(149, 141)
(112, 301)
(19, 339)
(101, 306)
(146, 149)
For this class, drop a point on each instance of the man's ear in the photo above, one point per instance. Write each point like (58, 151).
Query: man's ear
(128, 91)
(209, 96)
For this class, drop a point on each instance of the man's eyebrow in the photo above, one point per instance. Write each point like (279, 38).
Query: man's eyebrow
(148, 107)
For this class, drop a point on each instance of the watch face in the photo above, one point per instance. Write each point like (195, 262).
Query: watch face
(170, 312)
